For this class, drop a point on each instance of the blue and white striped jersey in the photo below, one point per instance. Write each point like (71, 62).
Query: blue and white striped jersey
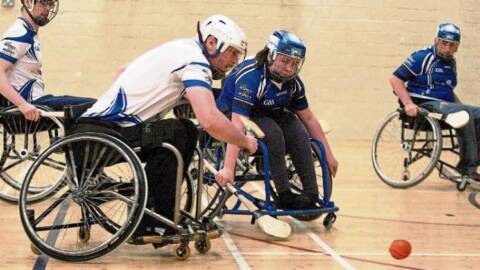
(429, 76)
(248, 87)
(20, 46)
(153, 83)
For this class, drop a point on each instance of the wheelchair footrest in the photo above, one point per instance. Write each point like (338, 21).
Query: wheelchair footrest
(175, 239)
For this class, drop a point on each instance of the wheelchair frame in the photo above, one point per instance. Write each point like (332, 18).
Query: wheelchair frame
(435, 134)
(267, 205)
(197, 227)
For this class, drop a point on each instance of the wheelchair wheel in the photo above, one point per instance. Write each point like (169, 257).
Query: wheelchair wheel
(98, 207)
(21, 143)
(184, 110)
(324, 189)
(211, 192)
(405, 149)
(187, 194)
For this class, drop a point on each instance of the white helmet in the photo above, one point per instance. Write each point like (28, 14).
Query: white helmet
(226, 31)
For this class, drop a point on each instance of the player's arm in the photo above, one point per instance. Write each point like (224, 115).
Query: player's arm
(214, 122)
(315, 130)
(410, 68)
(7, 91)
(227, 174)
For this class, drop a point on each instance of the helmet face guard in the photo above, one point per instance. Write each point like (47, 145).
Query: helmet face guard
(287, 47)
(286, 59)
(51, 5)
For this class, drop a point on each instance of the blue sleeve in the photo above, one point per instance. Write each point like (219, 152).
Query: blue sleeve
(299, 99)
(413, 66)
(245, 96)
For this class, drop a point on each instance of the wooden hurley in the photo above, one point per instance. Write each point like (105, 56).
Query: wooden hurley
(269, 225)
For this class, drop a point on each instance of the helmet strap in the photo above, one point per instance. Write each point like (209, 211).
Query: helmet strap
(217, 74)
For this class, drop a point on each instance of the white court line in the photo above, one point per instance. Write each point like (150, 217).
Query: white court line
(242, 263)
(317, 240)
(236, 254)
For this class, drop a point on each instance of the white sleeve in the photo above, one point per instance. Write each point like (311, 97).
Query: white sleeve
(197, 74)
(14, 45)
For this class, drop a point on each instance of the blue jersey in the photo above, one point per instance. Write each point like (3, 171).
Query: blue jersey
(249, 87)
(429, 76)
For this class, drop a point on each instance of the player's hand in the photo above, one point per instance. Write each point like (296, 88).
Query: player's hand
(252, 145)
(411, 109)
(29, 111)
(332, 165)
(224, 176)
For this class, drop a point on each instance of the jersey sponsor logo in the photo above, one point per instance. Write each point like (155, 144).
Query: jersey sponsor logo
(245, 92)
(8, 48)
(438, 70)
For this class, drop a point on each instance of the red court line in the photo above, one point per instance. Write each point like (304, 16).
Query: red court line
(323, 253)
(411, 221)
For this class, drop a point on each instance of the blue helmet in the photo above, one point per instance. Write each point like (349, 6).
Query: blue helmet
(288, 44)
(448, 32)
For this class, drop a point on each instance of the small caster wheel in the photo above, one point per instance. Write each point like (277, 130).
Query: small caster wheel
(35, 250)
(83, 234)
(203, 246)
(461, 186)
(181, 252)
(329, 220)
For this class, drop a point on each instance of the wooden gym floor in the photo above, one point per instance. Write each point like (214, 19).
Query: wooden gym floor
(442, 224)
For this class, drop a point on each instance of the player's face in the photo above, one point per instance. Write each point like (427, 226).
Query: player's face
(228, 59)
(446, 49)
(285, 66)
(42, 8)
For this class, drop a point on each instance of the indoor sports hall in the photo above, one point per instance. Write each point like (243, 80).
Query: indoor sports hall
(396, 178)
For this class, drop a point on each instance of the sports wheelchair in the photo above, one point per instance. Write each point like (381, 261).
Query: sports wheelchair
(21, 143)
(102, 199)
(253, 169)
(406, 150)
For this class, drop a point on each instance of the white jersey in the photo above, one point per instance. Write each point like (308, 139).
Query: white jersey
(20, 47)
(153, 83)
